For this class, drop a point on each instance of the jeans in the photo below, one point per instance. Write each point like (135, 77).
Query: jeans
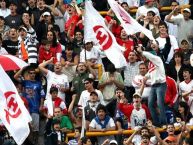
(157, 93)
(129, 91)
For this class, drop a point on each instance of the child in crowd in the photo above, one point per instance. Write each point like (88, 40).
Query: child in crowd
(45, 53)
(57, 102)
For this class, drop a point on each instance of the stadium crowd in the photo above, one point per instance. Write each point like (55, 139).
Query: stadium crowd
(154, 90)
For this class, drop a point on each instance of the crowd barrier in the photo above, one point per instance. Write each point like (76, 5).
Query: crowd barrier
(107, 133)
(162, 9)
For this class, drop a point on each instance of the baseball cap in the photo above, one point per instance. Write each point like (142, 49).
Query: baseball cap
(46, 14)
(113, 142)
(187, 10)
(93, 93)
(70, 4)
(22, 28)
(184, 40)
(137, 94)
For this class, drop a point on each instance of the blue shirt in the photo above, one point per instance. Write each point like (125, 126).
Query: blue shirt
(33, 92)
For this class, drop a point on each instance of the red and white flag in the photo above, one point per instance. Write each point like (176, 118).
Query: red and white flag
(13, 113)
(130, 25)
(96, 30)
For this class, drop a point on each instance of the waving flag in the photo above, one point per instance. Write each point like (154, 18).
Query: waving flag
(97, 31)
(14, 115)
(130, 25)
(10, 62)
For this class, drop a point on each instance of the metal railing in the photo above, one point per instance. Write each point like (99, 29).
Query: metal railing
(107, 133)
(162, 9)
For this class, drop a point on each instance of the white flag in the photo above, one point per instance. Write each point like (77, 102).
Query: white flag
(96, 30)
(14, 114)
(130, 25)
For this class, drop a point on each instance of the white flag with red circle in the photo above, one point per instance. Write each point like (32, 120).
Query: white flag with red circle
(13, 113)
(96, 30)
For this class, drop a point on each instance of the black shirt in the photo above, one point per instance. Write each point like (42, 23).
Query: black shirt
(10, 46)
(13, 21)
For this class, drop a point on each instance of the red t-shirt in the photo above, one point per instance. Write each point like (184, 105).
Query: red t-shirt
(73, 19)
(116, 28)
(47, 55)
(129, 46)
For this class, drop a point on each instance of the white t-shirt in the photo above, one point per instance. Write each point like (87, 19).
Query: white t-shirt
(186, 87)
(190, 103)
(138, 118)
(56, 80)
(5, 12)
(85, 97)
(94, 55)
(174, 46)
(137, 82)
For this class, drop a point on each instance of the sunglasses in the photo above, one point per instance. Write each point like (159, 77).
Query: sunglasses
(32, 73)
(86, 83)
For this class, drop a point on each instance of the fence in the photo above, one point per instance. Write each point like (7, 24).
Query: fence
(162, 9)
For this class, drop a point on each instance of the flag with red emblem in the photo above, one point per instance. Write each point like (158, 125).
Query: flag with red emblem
(14, 115)
(96, 30)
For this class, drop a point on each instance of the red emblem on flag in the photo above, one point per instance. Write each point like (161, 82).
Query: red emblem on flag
(13, 109)
(105, 39)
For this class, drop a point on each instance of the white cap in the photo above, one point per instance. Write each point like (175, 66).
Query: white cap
(187, 10)
(113, 141)
(137, 94)
(46, 14)
(22, 27)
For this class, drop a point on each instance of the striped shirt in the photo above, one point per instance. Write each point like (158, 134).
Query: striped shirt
(30, 45)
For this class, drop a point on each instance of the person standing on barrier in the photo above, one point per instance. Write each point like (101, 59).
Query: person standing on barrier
(157, 76)
(130, 71)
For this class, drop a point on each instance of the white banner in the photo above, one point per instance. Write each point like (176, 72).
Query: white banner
(14, 114)
(96, 30)
(130, 25)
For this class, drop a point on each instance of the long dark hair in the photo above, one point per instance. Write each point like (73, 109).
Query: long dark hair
(54, 41)
(179, 54)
